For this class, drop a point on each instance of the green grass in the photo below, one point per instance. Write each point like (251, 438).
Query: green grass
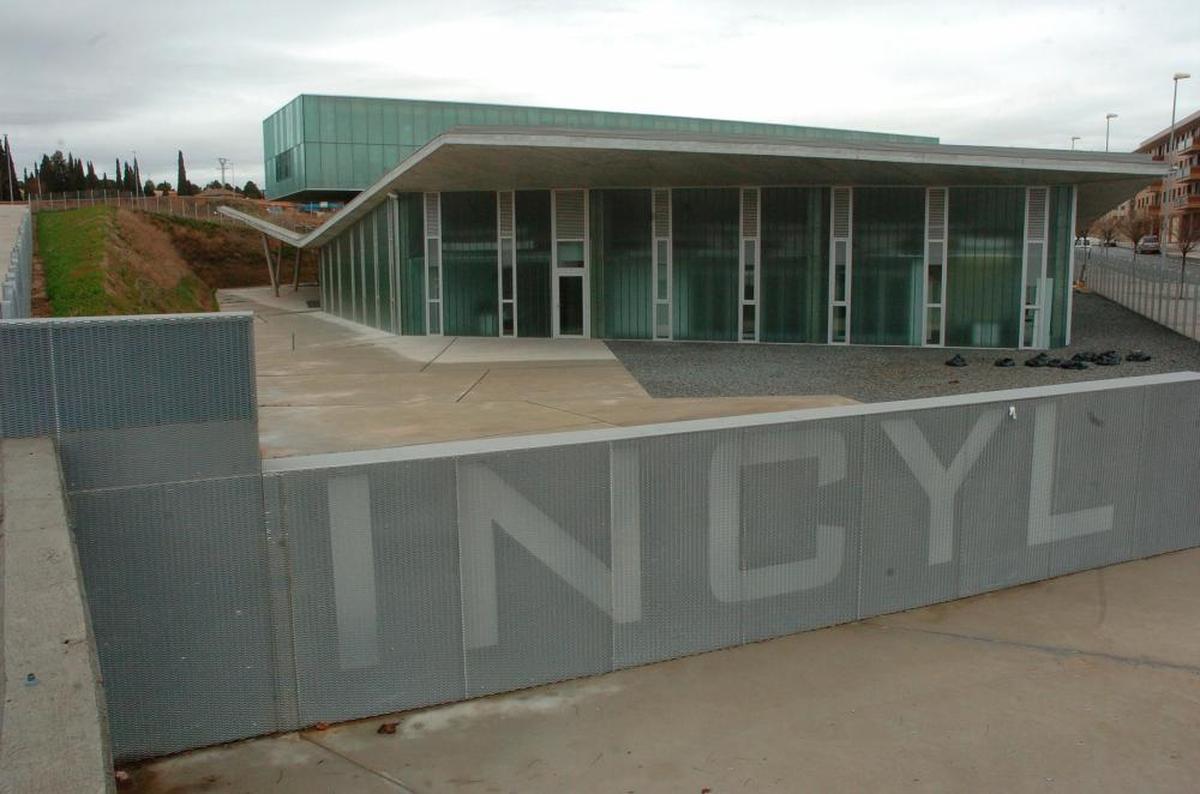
(71, 245)
(87, 275)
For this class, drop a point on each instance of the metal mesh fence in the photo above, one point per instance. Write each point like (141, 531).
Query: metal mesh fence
(554, 557)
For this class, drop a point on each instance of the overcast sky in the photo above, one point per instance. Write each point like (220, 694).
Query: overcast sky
(103, 79)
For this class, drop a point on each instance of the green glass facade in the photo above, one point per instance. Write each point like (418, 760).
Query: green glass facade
(887, 274)
(705, 242)
(621, 268)
(1058, 262)
(794, 287)
(322, 146)
(374, 272)
(470, 300)
(984, 259)
(532, 211)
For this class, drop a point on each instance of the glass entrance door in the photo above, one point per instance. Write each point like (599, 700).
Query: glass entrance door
(569, 213)
(570, 305)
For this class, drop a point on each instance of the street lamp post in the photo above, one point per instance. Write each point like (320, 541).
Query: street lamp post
(1073, 139)
(1165, 224)
(1108, 117)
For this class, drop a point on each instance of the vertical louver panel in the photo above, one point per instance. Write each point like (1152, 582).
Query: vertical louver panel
(937, 252)
(433, 215)
(505, 203)
(750, 213)
(937, 213)
(569, 214)
(662, 213)
(841, 212)
(1036, 216)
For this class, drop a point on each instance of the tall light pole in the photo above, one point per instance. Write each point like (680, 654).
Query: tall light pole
(1073, 139)
(1165, 224)
(1108, 117)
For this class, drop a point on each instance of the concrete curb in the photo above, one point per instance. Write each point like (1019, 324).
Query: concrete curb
(53, 727)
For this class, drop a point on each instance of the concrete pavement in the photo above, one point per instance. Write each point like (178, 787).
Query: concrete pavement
(1089, 682)
(327, 385)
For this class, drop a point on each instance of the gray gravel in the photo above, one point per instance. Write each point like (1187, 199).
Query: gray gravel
(874, 374)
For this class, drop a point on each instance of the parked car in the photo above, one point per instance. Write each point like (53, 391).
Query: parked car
(1148, 244)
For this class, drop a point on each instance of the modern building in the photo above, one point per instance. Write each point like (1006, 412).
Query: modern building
(505, 221)
(1182, 186)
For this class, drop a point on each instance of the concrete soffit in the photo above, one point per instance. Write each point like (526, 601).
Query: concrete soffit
(485, 159)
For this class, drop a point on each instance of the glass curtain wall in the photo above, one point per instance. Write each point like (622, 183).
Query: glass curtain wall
(367, 274)
(470, 304)
(794, 240)
(410, 263)
(705, 262)
(983, 278)
(533, 262)
(1058, 263)
(621, 264)
(888, 266)
(384, 269)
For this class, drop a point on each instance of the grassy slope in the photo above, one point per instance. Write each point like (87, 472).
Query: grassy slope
(72, 248)
(99, 262)
(92, 269)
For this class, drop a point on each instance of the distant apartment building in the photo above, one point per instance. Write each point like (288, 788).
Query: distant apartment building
(1182, 181)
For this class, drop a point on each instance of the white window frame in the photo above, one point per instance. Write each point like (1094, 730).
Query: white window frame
(1038, 307)
(501, 241)
(660, 240)
(433, 242)
(848, 241)
(931, 237)
(755, 246)
(583, 273)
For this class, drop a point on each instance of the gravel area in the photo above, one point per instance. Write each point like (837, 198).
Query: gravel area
(874, 374)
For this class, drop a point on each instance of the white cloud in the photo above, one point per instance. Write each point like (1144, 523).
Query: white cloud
(156, 77)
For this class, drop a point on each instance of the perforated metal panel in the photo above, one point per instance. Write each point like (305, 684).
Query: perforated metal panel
(176, 586)
(26, 381)
(373, 561)
(679, 613)
(135, 372)
(110, 458)
(536, 524)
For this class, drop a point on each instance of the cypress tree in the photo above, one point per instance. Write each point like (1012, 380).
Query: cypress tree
(182, 188)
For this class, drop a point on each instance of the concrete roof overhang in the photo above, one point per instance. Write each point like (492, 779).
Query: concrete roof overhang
(517, 159)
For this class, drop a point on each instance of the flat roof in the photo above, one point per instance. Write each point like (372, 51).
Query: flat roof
(519, 158)
(1161, 135)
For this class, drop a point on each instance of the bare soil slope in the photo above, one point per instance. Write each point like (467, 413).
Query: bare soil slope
(101, 260)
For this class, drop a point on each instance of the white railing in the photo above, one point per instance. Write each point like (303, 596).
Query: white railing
(1142, 284)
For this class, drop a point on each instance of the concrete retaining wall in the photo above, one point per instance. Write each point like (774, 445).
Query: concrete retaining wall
(53, 735)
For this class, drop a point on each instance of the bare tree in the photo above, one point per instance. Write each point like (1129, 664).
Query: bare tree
(1186, 239)
(1106, 228)
(1137, 225)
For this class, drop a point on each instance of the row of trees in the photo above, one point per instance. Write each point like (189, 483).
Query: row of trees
(59, 173)
(1136, 225)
